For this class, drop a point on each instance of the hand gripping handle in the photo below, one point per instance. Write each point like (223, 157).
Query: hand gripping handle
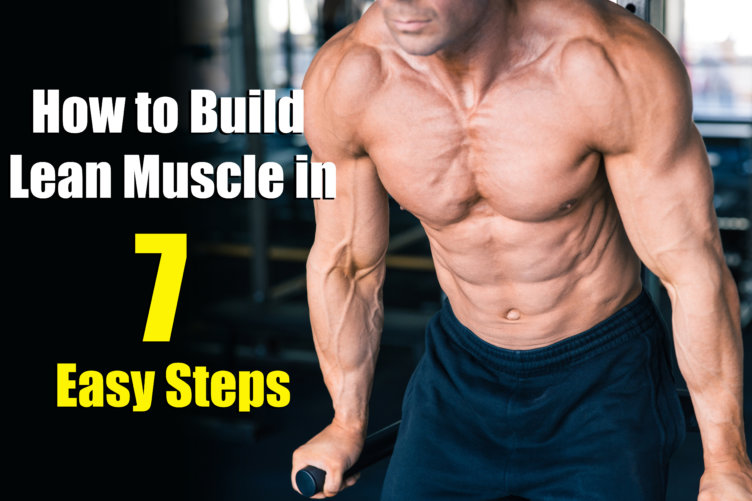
(377, 446)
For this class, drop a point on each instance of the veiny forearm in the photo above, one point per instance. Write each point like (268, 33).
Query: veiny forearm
(346, 311)
(708, 343)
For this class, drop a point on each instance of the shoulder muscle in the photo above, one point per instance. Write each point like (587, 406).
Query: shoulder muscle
(339, 82)
(623, 81)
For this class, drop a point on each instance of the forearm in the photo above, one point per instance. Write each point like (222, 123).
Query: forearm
(708, 343)
(346, 312)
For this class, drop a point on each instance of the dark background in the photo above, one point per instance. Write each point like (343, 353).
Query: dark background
(76, 291)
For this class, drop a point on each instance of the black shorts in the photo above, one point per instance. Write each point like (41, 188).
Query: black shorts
(593, 417)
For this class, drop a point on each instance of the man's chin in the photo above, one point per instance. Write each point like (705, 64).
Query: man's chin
(417, 47)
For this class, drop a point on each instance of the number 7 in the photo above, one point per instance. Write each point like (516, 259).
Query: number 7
(164, 299)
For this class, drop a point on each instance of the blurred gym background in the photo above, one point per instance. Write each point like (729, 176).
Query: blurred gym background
(245, 288)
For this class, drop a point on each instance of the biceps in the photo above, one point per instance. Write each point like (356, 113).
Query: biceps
(352, 229)
(665, 199)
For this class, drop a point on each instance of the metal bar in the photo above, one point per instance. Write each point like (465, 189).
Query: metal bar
(260, 265)
(287, 288)
(259, 274)
(281, 253)
(400, 261)
(641, 8)
(414, 263)
(406, 238)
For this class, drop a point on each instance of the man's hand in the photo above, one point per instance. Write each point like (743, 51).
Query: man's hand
(727, 483)
(334, 450)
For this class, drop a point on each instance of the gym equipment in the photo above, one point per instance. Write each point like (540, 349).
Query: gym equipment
(640, 8)
(377, 446)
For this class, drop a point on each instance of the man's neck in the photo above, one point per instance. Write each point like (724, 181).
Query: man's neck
(470, 65)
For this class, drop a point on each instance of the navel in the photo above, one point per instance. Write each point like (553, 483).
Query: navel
(513, 314)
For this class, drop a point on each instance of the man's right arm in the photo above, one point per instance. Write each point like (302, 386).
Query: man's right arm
(345, 275)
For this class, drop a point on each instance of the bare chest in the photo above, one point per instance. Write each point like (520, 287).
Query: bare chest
(519, 153)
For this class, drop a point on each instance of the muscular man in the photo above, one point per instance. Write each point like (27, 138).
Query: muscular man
(546, 146)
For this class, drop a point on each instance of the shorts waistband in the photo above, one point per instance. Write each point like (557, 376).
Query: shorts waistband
(628, 322)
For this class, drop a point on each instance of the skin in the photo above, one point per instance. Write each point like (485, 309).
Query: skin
(546, 147)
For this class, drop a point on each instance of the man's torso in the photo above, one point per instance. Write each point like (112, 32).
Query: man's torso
(524, 232)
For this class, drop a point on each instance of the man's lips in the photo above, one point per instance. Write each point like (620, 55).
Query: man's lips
(410, 24)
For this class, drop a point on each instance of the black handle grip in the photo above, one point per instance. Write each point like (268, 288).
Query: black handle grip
(377, 446)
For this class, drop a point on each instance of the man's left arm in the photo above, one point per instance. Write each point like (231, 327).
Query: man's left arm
(658, 170)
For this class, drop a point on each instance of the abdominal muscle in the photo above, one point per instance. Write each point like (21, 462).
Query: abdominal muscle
(523, 285)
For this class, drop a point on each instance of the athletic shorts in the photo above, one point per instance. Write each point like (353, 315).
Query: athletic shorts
(593, 417)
